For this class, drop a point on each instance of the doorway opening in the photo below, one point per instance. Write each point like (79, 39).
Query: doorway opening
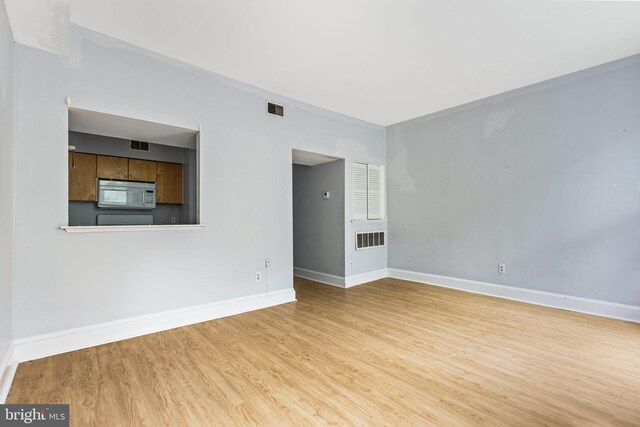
(318, 217)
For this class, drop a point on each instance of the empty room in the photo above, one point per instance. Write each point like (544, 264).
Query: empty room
(288, 213)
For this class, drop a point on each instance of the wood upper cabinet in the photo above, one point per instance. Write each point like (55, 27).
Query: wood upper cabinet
(90, 167)
(142, 170)
(82, 177)
(169, 183)
(113, 167)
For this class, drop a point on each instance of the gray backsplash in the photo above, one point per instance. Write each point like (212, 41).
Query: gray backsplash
(85, 213)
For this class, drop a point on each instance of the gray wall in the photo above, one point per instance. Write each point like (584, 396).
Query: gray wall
(6, 180)
(84, 213)
(318, 224)
(245, 179)
(108, 146)
(545, 179)
(189, 208)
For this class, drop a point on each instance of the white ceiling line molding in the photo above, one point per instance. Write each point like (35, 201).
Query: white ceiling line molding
(382, 62)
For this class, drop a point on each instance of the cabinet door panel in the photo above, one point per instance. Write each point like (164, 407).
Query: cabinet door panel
(82, 177)
(169, 183)
(142, 170)
(113, 167)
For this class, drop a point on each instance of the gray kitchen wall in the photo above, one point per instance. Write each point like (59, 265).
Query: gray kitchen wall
(6, 181)
(318, 224)
(108, 146)
(245, 192)
(545, 179)
(85, 213)
(189, 208)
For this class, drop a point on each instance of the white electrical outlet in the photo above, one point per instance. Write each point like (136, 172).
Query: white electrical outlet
(173, 220)
(350, 264)
(502, 268)
(267, 262)
(258, 276)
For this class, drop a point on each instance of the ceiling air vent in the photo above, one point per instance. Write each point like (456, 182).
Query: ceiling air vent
(139, 146)
(366, 240)
(275, 109)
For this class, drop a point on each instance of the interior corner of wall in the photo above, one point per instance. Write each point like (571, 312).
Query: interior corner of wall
(42, 24)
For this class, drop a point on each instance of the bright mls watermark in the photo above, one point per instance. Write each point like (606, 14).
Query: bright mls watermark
(34, 415)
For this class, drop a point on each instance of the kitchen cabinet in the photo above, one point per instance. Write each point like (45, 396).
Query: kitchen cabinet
(169, 183)
(142, 170)
(90, 167)
(113, 167)
(82, 177)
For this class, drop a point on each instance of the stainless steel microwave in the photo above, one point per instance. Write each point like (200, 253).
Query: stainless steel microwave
(126, 194)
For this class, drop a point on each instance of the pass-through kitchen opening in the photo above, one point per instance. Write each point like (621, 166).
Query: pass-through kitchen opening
(115, 181)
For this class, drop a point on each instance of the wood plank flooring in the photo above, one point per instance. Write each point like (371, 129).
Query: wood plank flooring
(387, 353)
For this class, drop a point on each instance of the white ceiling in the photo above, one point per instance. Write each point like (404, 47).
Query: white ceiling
(307, 158)
(381, 61)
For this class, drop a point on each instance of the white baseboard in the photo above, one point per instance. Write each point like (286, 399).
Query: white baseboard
(7, 371)
(316, 276)
(338, 281)
(359, 279)
(567, 302)
(88, 336)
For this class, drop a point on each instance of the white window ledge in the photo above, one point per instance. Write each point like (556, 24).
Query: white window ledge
(358, 221)
(129, 228)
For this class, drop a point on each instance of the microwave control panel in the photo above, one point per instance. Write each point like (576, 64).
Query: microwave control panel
(149, 198)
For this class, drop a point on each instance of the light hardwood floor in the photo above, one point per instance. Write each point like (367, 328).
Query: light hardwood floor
(386, 353)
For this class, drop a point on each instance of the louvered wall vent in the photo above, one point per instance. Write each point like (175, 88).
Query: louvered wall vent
(275, 109)
(139, 146)
(370, 239)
